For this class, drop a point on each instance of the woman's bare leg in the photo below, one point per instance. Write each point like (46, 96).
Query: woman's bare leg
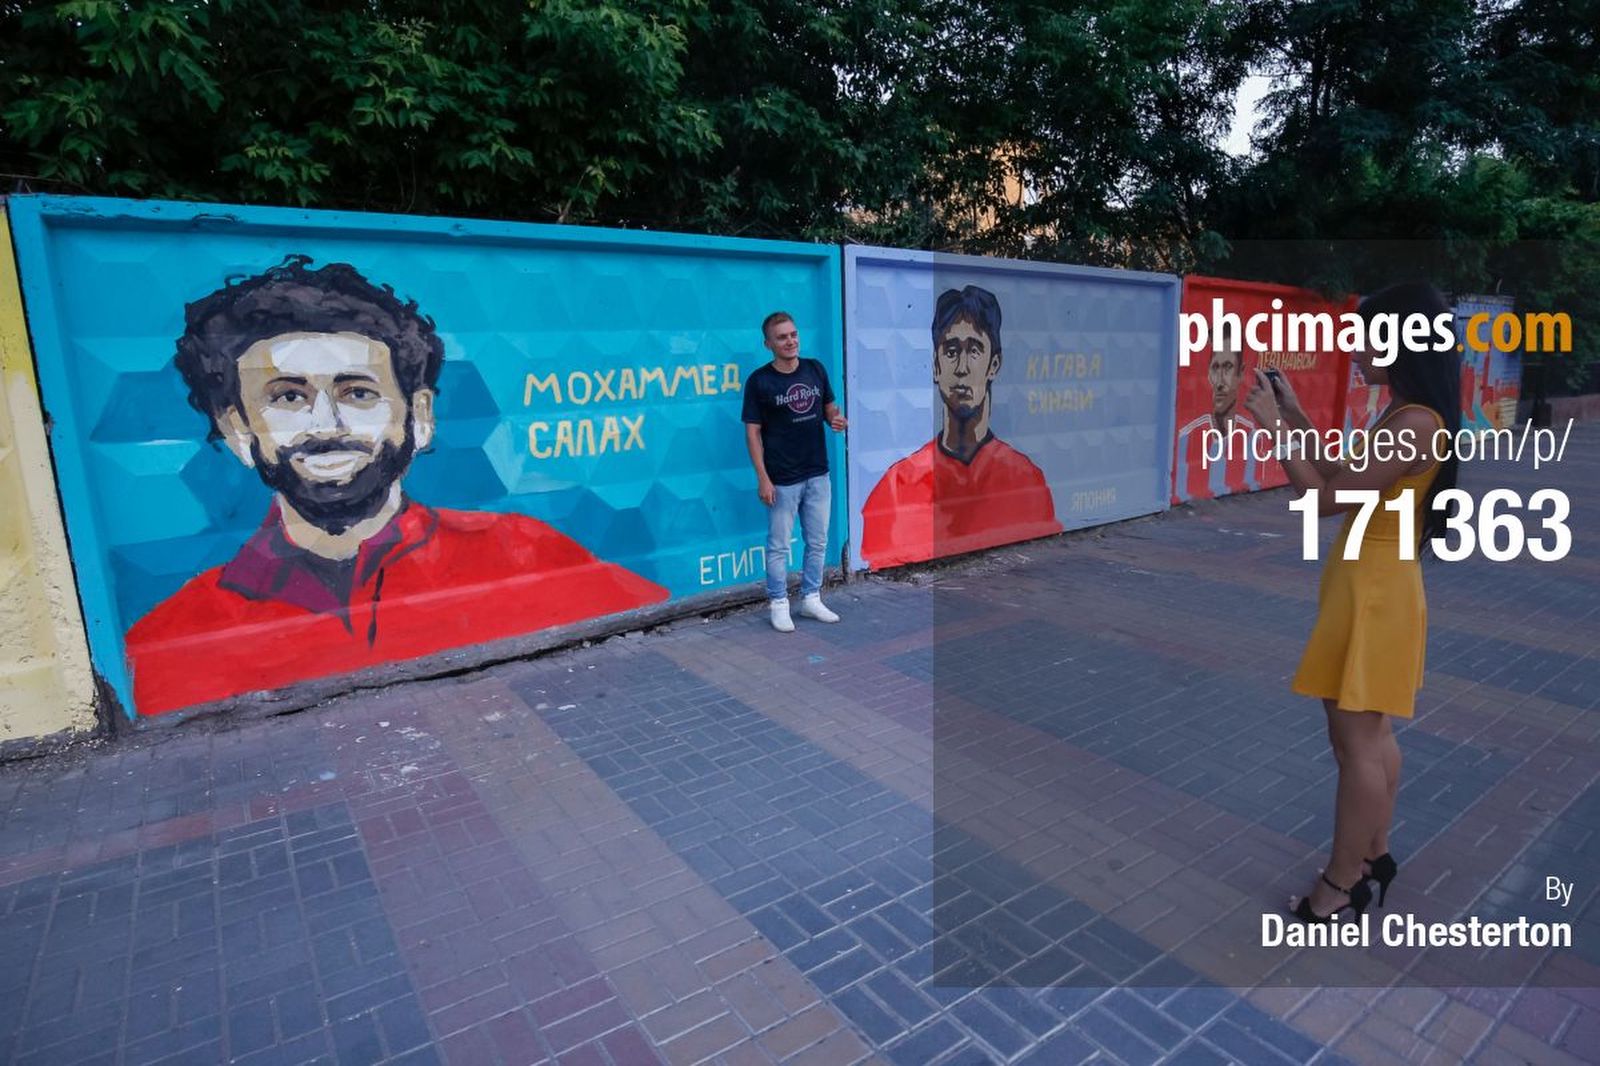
(1363, 803)
(1391, 769)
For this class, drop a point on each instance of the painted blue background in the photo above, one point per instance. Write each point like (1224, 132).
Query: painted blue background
(1124, 439)
(149, 503)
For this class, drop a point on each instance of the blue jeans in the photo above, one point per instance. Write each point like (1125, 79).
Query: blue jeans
(811, 500)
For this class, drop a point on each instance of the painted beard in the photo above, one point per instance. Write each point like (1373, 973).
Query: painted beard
(335, 507)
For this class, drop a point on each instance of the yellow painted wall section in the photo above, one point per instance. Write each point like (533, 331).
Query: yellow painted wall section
(45, 683)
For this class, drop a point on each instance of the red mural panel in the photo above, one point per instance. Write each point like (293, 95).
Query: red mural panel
(1213, 387)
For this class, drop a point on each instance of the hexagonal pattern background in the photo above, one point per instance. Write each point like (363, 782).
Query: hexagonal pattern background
(150, 503)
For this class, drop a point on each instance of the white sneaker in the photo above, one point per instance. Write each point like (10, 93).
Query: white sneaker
(780, 616)
(811, 607)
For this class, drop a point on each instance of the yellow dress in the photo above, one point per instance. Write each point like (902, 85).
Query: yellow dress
(1366, 649)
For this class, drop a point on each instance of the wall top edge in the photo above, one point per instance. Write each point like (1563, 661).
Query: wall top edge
(1242, 285)
(857, 254)
(66, 212)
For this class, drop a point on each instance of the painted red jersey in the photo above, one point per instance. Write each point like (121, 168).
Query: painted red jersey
(431, 580)
(931, 504)
(1194, 477)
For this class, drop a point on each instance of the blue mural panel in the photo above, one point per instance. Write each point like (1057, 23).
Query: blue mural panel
(293, 444)
(993, 400)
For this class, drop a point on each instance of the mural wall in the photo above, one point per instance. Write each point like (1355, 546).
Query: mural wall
(292, 444)
(993, 401)
(45, 684)
(1491, 381)
(296, 444)
(1213, 387)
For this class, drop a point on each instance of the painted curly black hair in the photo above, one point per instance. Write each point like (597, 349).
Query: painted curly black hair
(292, 298)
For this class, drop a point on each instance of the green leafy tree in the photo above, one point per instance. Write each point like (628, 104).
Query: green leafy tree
(1129, 103)
(1462, 132)
(1542, 87)
(816, 118)
(1437, 138)
(548, 110)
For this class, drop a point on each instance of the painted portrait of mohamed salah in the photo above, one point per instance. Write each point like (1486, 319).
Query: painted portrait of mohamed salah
(324, 384)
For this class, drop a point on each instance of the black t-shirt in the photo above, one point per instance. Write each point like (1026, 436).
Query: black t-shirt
(788, 408)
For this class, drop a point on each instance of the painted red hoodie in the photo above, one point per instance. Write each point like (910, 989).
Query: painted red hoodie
(429, 581)
(931, 504)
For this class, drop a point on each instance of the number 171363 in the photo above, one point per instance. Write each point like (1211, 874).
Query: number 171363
(1493, 525)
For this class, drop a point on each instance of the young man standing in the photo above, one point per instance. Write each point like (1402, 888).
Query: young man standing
(786, 403)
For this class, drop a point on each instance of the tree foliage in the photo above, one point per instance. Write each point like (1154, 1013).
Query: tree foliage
(1448, 139)
(1083, 130)
(551, 110)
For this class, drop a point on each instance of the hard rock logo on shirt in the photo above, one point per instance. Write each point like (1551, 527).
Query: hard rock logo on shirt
(799, 398)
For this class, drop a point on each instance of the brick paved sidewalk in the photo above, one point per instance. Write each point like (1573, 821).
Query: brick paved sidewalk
(716, 843)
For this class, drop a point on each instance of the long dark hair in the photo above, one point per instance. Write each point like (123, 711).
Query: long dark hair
(1423, 376)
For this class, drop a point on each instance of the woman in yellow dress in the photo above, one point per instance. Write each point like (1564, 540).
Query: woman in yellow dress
(1365, 654)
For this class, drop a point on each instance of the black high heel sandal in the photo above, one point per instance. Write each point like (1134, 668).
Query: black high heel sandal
(1383, 870)
(1360, 896)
